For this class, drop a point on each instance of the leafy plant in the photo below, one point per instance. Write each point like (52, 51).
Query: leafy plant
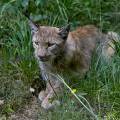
(18, 68)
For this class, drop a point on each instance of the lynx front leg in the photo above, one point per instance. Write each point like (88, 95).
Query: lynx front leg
(53, 87)
(45, 91)
(51, 100)
(44, 74)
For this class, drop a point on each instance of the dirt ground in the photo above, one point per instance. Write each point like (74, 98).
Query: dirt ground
(32, 111)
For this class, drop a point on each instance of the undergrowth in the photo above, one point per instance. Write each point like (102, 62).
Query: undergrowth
(18, 67)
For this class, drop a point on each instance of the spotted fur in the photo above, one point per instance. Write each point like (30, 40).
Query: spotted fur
(57, 49)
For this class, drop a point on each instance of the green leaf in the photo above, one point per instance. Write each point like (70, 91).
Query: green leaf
(38, 17)
(25, 3)
(40, 2)
(8, 109)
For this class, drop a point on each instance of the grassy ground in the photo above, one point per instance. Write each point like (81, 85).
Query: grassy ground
(18, 68)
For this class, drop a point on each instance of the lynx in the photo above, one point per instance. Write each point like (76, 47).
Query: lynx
(58, 49)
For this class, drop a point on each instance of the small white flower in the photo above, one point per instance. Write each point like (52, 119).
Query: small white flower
(1, 102)
(32, 89)
(1, 27)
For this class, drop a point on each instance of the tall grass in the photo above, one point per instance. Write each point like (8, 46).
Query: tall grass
(18, 68)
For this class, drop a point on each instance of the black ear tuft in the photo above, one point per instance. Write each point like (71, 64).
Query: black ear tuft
(64, 31)
(26, 14)
(34, 27)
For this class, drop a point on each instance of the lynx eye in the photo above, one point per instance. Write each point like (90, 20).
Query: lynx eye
(50, 44)
(36, 43)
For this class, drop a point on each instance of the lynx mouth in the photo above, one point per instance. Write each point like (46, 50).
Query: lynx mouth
(44, 59)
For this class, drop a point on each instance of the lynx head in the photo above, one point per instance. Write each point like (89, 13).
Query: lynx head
(48, 41)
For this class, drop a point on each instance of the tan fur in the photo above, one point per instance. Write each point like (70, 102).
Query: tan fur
(74, 53)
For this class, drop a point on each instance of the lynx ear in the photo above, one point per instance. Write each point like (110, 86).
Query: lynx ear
(34, 27)
(64, 31)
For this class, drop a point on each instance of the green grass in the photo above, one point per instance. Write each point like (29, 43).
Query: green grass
(18, 67)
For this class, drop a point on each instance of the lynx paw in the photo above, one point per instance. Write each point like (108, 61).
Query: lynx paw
(48, 104)
(42, 95)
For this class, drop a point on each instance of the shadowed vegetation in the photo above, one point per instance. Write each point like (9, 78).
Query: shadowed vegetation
(18, 67)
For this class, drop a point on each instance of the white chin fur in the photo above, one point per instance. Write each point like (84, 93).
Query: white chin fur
(32, 89)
